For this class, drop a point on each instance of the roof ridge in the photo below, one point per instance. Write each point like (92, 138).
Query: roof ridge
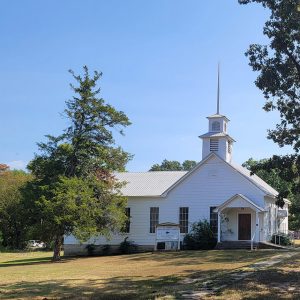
(150, 172)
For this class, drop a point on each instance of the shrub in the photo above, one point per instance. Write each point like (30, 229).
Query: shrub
(200, 237)
(90, 249)
(284, 240)
(127, 247)
(106, 249)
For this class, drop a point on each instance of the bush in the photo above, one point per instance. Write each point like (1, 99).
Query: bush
(127, 247)
(284, 240)
(200, 237)
(90, 249)
(106, 249)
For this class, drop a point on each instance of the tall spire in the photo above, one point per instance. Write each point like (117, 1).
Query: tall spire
(218, 93)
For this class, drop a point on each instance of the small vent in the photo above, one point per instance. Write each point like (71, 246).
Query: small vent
(214, 145)
(229, 147)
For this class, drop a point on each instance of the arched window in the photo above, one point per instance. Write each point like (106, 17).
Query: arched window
(215, 126)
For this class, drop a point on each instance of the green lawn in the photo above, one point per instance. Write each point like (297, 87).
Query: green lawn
(138, 276)
(278, 282)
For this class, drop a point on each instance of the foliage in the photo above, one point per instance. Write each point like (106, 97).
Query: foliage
(13, 220)
(91, 249)
(173, 165)
(128, 247)
(273, 176)
(283, 240)
(201, 237)
(283, 173)
(106, 249)
(278, 65)
(3, 167)
(74, 190)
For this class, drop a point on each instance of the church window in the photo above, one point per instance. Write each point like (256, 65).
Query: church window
(126, 228)
(215, 126)
(214, 145)
(184, 219)
(154, 218)
(213, 220)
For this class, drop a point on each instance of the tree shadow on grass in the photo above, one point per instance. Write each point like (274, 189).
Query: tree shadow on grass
(269, 284)
(112, 288)
(34, 261)
(264, 284)
(203, 256)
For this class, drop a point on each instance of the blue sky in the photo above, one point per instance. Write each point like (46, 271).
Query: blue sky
(159, 61)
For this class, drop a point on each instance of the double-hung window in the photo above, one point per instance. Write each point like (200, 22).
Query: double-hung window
(126, 228)
(213, 219)
(154, 218)
(184, 219)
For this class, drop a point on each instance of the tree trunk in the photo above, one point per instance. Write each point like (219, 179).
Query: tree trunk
(57, 248)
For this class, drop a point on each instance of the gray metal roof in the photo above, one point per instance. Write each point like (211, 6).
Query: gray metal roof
(149, 184)
(256, 180)
(217, 116)
(213, 134)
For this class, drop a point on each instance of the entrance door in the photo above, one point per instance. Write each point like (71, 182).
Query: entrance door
(244, 226)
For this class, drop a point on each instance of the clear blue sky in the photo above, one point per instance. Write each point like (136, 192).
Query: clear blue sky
(159, 61)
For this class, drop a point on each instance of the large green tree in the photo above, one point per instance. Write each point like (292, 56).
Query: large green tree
(278, 68)
(13, 220)
(174, 165)
(74, 190)
(276, 171)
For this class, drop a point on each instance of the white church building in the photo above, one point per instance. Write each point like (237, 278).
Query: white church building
(238, 205)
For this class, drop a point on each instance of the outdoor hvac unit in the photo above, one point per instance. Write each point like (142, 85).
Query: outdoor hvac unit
(281, 214)
(167, 237)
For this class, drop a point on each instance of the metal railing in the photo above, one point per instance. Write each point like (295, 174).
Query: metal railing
(280, 239)
(252, 241)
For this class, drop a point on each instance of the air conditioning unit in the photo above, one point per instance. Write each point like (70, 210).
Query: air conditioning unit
(282, 213)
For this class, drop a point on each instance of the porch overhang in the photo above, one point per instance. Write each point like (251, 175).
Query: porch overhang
(239, 201)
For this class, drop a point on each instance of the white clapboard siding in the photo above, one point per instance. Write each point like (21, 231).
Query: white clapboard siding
(211, 184)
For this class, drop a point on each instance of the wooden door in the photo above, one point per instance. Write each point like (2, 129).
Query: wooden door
(244, 226)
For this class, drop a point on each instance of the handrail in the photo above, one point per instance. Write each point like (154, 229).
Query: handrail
(252, 240)
(281, 234)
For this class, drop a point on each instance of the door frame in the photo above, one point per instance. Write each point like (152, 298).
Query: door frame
(244, 213)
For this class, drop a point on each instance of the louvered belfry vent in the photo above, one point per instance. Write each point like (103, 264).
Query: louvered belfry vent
(214, 145)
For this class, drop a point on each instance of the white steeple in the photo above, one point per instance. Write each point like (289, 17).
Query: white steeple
(216, 139)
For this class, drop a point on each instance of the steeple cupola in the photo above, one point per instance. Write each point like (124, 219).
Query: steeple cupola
(217, 139)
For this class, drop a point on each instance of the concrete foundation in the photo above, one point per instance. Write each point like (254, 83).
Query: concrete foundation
(81, 250)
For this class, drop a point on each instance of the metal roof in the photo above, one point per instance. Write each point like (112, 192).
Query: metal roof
(224, 204)
(217, 116)
(212, 134)
(148, 184)
(256, 180)
(159, 183)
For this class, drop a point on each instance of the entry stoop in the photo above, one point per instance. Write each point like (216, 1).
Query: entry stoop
(235, 245)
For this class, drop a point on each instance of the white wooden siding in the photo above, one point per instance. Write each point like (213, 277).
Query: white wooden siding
(212, 184)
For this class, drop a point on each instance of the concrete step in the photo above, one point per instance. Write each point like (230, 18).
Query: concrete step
(268, 245)
(235, 245)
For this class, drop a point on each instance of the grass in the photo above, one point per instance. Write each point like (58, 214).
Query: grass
(278, 282)
(297, 243)
(138, 276)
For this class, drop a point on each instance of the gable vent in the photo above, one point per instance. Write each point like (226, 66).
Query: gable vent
(214, 145)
